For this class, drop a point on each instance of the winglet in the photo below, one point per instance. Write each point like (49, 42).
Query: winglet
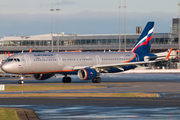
(30, 50)
(167, 57)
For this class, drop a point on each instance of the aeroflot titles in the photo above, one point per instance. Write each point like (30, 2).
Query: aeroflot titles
(51, 55)
(43, 54)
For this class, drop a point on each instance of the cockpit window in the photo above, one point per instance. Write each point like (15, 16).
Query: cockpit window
(14, 59)
(18, 60)
(10, 60)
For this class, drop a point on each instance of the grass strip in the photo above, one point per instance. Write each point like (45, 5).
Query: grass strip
(81, 95)
(48, 87)
(8, 114)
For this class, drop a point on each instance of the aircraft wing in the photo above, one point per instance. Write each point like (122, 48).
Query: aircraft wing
(119, 65)
(80, 67)
(122, 64)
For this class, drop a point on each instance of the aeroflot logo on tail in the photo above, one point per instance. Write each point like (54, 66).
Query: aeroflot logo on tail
(43, 54)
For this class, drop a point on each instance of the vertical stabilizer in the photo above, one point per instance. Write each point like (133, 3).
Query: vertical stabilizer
(144, 42)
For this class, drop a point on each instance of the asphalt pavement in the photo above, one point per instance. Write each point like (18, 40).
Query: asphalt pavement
(167, 106)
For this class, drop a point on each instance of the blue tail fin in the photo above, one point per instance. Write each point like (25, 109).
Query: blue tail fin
(143, 45)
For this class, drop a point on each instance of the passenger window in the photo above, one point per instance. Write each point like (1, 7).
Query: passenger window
(18, 60)
(15, 59)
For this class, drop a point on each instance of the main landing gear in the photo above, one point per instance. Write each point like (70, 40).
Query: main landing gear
(21, 81)
(96, 80)
(66, 79)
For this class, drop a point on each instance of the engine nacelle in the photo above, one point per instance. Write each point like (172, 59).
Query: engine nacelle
(87, 74)
(42, 76)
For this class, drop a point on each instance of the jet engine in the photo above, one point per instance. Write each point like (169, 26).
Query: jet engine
(42, 76)
(87, 74)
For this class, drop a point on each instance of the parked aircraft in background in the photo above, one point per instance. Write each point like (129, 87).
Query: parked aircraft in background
(87, 65)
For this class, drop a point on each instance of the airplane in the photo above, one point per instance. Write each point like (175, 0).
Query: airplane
(87, 65)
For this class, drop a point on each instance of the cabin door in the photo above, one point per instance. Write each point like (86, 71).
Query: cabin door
(98, 59)
(28, 60)
(60, 62)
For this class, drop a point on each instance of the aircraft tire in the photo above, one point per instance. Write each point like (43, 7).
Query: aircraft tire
(94, 80)
(64, 80)
(21, 82)
(98, 80)
(68, 80)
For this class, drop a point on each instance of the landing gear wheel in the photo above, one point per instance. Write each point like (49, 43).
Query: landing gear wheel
(96, 80)
(66, 80)
(21, 82)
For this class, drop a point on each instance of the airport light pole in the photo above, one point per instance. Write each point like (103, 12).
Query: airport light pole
(119, 25)
(52, 25)
(58, 25)
(179, 27)
(125, 25)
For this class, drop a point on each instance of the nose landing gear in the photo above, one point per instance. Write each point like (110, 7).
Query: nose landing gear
(21, 81)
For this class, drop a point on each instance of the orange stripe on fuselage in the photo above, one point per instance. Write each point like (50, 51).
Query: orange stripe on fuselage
(130, 59)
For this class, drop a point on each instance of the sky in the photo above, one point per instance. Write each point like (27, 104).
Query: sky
(33, 17)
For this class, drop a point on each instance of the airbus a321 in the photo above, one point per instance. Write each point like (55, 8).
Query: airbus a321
(87, 65)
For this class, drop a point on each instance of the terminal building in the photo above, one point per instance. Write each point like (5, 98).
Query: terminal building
(77, 42)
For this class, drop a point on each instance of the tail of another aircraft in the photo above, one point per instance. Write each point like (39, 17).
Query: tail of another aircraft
(143, 45)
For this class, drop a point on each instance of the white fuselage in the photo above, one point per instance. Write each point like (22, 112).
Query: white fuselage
(34, 63)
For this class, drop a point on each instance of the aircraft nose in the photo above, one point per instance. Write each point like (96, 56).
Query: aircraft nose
(5, 68)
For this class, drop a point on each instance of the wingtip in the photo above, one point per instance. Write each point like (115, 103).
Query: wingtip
(30, 50)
